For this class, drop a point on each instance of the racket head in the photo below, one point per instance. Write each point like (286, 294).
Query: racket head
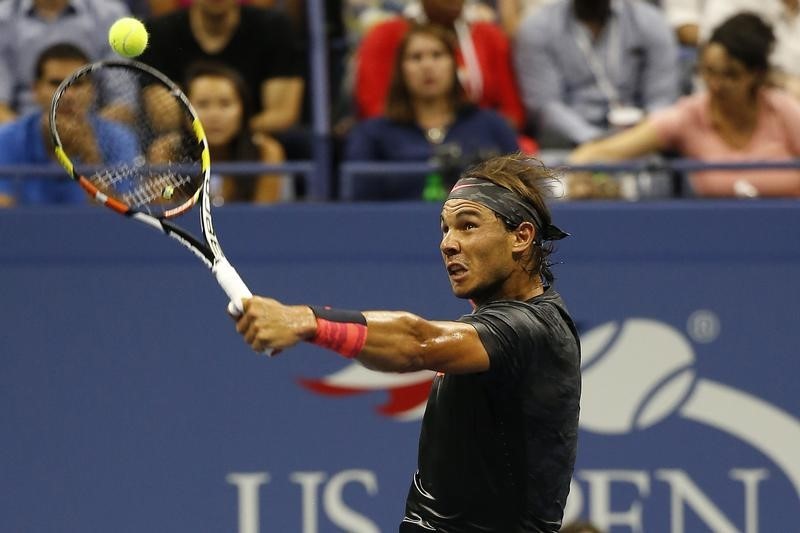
(129, 136)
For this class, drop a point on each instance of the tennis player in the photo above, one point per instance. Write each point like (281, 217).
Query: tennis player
(499, 435)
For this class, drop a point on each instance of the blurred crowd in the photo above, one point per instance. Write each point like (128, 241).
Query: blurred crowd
(574, 82)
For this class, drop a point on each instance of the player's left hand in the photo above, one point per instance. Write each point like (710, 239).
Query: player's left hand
(267, 324)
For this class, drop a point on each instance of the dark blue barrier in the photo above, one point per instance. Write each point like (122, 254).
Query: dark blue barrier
(129, 404)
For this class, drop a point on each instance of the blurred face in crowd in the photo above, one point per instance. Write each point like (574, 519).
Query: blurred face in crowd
(443, 12)
(219, 107)
(727, 79)
(76, 99)
(428, 67)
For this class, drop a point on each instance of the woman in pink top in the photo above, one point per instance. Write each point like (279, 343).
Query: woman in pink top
(737, 118)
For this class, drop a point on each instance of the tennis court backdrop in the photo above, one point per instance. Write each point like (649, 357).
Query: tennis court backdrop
(129, 404)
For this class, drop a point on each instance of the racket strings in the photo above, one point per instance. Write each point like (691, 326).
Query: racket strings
(145, 153)
(155, 189)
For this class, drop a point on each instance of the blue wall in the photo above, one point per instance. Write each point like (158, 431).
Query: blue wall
(129, 404)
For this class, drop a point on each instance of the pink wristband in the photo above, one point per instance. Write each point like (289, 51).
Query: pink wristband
(345, 338)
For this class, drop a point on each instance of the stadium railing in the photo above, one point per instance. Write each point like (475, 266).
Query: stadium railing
(653, 178)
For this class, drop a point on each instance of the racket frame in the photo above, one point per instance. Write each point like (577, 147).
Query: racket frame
(210, 252)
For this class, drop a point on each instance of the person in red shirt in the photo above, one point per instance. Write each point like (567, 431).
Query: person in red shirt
(484, 57)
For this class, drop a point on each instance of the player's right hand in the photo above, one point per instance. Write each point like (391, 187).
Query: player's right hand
(267, 324)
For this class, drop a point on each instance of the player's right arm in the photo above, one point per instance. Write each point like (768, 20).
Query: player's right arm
(403, 342)
(394, 341)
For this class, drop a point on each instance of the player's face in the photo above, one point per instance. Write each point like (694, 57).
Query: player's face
(218, 105)
(477, 250)
(76, 99)
(727, 79)
(428, 69)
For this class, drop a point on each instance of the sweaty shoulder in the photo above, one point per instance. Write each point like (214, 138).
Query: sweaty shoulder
(519, 334)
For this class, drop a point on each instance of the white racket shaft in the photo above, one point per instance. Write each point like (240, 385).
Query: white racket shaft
(234, 287)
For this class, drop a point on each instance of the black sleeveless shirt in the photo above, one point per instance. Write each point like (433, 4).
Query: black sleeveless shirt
(497, 448)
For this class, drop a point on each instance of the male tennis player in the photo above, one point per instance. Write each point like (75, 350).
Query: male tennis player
(499, 434)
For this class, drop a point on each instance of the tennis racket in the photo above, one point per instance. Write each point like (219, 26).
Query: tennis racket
(130, 138)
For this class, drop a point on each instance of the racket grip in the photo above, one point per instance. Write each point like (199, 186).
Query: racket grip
(234, 287)
(232, 284)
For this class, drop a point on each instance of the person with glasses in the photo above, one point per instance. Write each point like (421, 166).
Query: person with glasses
(737, 117)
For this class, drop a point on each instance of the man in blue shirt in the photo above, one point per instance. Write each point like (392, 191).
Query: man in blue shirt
(586, 67)
(26, 140)
(27, 27)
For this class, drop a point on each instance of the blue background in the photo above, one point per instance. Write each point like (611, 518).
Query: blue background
(126, 397)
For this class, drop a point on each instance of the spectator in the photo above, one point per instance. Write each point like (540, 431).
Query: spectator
(426, 110)
(588, 66)
(693, 21)
(256, 42)
(26, 140)
(27, 27)
(483, 57)
(222, 101)
(737, 118)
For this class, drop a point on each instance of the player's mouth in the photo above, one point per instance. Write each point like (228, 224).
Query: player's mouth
(456, 271)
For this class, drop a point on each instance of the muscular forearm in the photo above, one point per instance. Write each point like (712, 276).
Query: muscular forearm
(397, 341)
(391, 341)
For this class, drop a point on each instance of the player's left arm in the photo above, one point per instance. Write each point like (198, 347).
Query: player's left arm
(281, 101)
(395, 341)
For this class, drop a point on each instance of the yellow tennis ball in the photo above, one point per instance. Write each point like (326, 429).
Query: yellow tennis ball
(127, 37)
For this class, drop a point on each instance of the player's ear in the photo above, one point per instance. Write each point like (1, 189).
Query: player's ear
(524, 236)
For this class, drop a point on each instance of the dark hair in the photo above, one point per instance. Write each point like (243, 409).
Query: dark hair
(746, 38)
(58, 51)
(533, 182)
(398, 101)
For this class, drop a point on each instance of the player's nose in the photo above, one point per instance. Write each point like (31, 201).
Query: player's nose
(449, 245)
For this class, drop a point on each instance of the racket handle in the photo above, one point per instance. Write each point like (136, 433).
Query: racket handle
(234, 287)
(232, 284)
